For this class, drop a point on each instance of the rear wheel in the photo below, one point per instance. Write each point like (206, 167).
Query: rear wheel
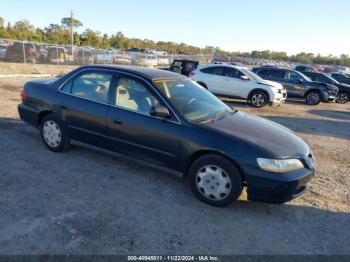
(54, 133)
(343, 98)
(313, 98)
(258, 99)
(215, 180)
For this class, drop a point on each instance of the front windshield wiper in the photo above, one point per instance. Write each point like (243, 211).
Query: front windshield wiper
(217, 115)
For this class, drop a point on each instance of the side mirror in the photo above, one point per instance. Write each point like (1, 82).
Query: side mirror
(245, 78)
(159, 111)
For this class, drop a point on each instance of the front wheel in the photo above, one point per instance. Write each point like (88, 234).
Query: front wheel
(343, 98)
(215, 180)
(258, 99)
(313, 98)
(54, 133)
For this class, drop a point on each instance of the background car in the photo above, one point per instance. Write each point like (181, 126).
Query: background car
(84, 56)
(56, 55)
(342, 78)
(239, 82)
(2, 51)
(183, 67)
(14, 52)
(298, 85)
(304, 69)
(344, 89)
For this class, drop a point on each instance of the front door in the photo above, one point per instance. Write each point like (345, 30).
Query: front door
(294, 84)
(131, 128)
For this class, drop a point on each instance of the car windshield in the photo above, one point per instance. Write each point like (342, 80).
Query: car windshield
(192, 101)
(251, 74)
(334, 81)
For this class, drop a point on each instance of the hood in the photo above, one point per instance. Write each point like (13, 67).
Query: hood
(271, 84)
(343, 87)
(278, 140)
(320, 85)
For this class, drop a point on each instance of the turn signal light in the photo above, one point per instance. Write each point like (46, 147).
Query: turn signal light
(23, 94)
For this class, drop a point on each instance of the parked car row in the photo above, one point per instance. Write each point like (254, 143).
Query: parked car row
(265, 85)
(29, 52)
(299, 85)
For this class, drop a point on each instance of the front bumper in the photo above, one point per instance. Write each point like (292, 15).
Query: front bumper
(329, 95)
(279, 98)
(278, 188)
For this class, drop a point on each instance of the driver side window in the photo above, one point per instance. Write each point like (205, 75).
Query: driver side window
(134, 95)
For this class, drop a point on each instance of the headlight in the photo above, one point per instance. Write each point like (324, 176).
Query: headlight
(279, 165)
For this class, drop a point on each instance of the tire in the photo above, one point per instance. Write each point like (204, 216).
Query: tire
(257, 99)
(215, 180)
(313, 98)
(54, 133)
(343, 97)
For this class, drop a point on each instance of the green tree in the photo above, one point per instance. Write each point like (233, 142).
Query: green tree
(68, 23)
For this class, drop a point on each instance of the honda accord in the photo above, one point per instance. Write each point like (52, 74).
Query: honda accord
(167, 120)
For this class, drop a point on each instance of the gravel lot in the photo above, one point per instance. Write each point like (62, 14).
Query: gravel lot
(86, 202)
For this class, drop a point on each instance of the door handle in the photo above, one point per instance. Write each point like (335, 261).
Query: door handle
(118, 122)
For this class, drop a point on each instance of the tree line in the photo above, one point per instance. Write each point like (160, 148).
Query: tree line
(61, 34)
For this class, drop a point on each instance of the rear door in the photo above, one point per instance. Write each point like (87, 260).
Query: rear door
(84, 105)
(214, 78)
(131, 128)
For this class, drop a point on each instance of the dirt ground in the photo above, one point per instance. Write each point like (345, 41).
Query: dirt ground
(17, 68)
(85, 202)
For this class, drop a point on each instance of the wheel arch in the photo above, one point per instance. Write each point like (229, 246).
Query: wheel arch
(261, 90)
(41, 116)
(201, 153)
(312, 90)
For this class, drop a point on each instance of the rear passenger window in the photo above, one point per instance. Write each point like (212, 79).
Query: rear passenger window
(90, 85)
(215, 70)
(263, 72)
(232, 72)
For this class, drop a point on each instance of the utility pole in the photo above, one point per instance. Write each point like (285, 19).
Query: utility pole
(72, 33)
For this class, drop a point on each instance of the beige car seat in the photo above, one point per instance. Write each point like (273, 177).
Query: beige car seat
(123, 98)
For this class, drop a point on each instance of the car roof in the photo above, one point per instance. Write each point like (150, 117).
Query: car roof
(221, 65)
(146, 72)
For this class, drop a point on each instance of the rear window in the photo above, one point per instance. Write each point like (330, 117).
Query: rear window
(190, 67)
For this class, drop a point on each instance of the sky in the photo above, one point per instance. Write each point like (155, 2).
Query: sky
(293, 26)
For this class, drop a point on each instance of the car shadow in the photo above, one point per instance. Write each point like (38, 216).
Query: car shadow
(338, 129)
(341, 115)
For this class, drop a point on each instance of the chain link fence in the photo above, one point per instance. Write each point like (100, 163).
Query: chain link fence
(41, 53)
